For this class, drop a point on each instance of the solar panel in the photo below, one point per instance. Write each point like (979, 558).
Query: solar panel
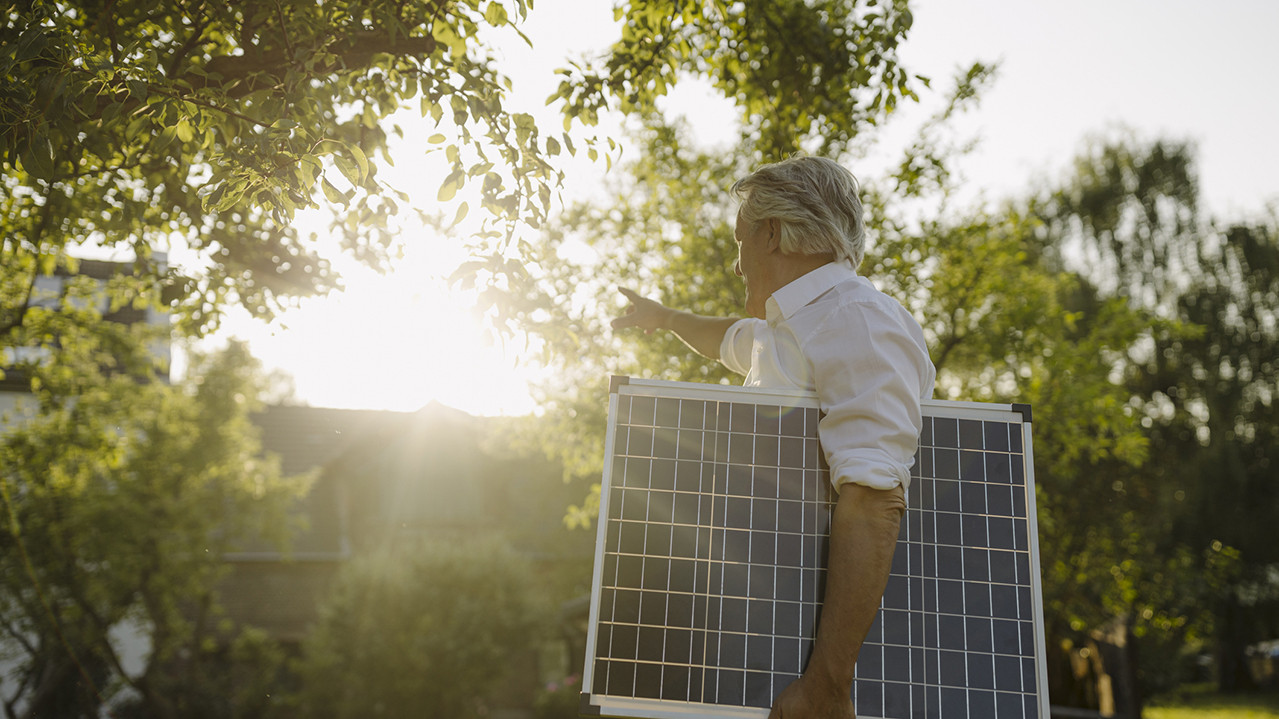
(710, 561)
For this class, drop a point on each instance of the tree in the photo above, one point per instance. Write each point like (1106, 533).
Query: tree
(1205, 394)
(425, 631)
(121, 495)
(804, 75)
(136, 125)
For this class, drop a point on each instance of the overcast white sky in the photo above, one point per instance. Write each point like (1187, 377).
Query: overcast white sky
(1160, 68)
(1204, 72)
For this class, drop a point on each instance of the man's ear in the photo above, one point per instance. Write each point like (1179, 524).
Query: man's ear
(774, 241)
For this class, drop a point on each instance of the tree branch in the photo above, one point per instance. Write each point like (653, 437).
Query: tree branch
(186, 48)
(240, 73)
(46, 213)
(284, 31)
(49, 683)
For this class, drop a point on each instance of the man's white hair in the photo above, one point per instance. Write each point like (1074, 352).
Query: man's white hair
(815, 199)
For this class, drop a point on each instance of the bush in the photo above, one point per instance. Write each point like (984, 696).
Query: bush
(559, 699)
(420, 633)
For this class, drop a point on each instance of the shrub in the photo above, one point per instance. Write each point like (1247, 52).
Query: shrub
(417, 633)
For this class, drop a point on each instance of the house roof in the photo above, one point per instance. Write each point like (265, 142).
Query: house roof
(374, 470)
(308, 437)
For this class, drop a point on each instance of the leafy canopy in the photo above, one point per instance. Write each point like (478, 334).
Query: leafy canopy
(204, 125)
(141, 126)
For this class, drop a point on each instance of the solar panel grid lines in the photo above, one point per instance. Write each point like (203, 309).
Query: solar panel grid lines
(710, 566)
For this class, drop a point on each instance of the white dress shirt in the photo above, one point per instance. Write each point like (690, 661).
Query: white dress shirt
(831, 331)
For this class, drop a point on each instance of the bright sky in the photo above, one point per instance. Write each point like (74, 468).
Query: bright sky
(1171, 68)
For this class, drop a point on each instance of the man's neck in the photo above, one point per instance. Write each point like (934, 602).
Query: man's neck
(794, 266)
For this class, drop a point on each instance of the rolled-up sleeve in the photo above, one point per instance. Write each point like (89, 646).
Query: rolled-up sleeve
(868, 373)
(735, 348)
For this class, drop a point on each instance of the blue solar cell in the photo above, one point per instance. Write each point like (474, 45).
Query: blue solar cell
(945, 432)
(970, 434)
(996, 436)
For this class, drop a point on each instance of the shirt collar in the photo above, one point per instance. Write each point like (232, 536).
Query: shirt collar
(789, 299)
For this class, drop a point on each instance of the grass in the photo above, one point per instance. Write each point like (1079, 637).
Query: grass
(1203, 705)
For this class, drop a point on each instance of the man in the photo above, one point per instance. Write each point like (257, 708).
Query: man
(815, 324)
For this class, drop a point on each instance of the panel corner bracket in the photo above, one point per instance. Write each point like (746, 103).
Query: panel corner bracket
(1024, 411)
(586, 707)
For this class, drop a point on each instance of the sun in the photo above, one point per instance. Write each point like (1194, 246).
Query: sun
(396, 342)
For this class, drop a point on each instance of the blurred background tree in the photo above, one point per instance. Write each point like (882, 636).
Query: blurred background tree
(1191, 556)
(121, 496)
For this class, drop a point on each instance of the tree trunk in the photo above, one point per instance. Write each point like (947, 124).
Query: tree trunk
(1130, 668)
(1232, 647)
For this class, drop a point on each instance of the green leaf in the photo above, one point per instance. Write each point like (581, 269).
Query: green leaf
(38, 159)
(495, 14)
(348, 169)
(460, 215)
(213, 200)
(333, 194)
(112, 111)
(451, 185)
(164, 139)
(360, 160)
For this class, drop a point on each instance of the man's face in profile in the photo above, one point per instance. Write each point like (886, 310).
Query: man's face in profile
(752, 256)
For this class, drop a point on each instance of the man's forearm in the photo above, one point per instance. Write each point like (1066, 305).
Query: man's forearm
(863, 537)
(701, 333)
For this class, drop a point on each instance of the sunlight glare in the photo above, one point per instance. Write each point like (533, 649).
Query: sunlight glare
(396, 342)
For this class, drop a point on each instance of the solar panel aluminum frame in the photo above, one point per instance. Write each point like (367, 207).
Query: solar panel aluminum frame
(603, 704)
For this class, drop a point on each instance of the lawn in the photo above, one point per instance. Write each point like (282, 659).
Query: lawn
(1210, 706)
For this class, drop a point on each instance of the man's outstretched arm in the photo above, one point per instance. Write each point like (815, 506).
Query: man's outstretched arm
(701, 333)
(863, 537)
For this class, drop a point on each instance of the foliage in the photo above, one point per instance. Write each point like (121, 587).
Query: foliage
(803, 74)
(121, 495)
(140, 125)
(209, 125)
(1189, 552)
(418, 632)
